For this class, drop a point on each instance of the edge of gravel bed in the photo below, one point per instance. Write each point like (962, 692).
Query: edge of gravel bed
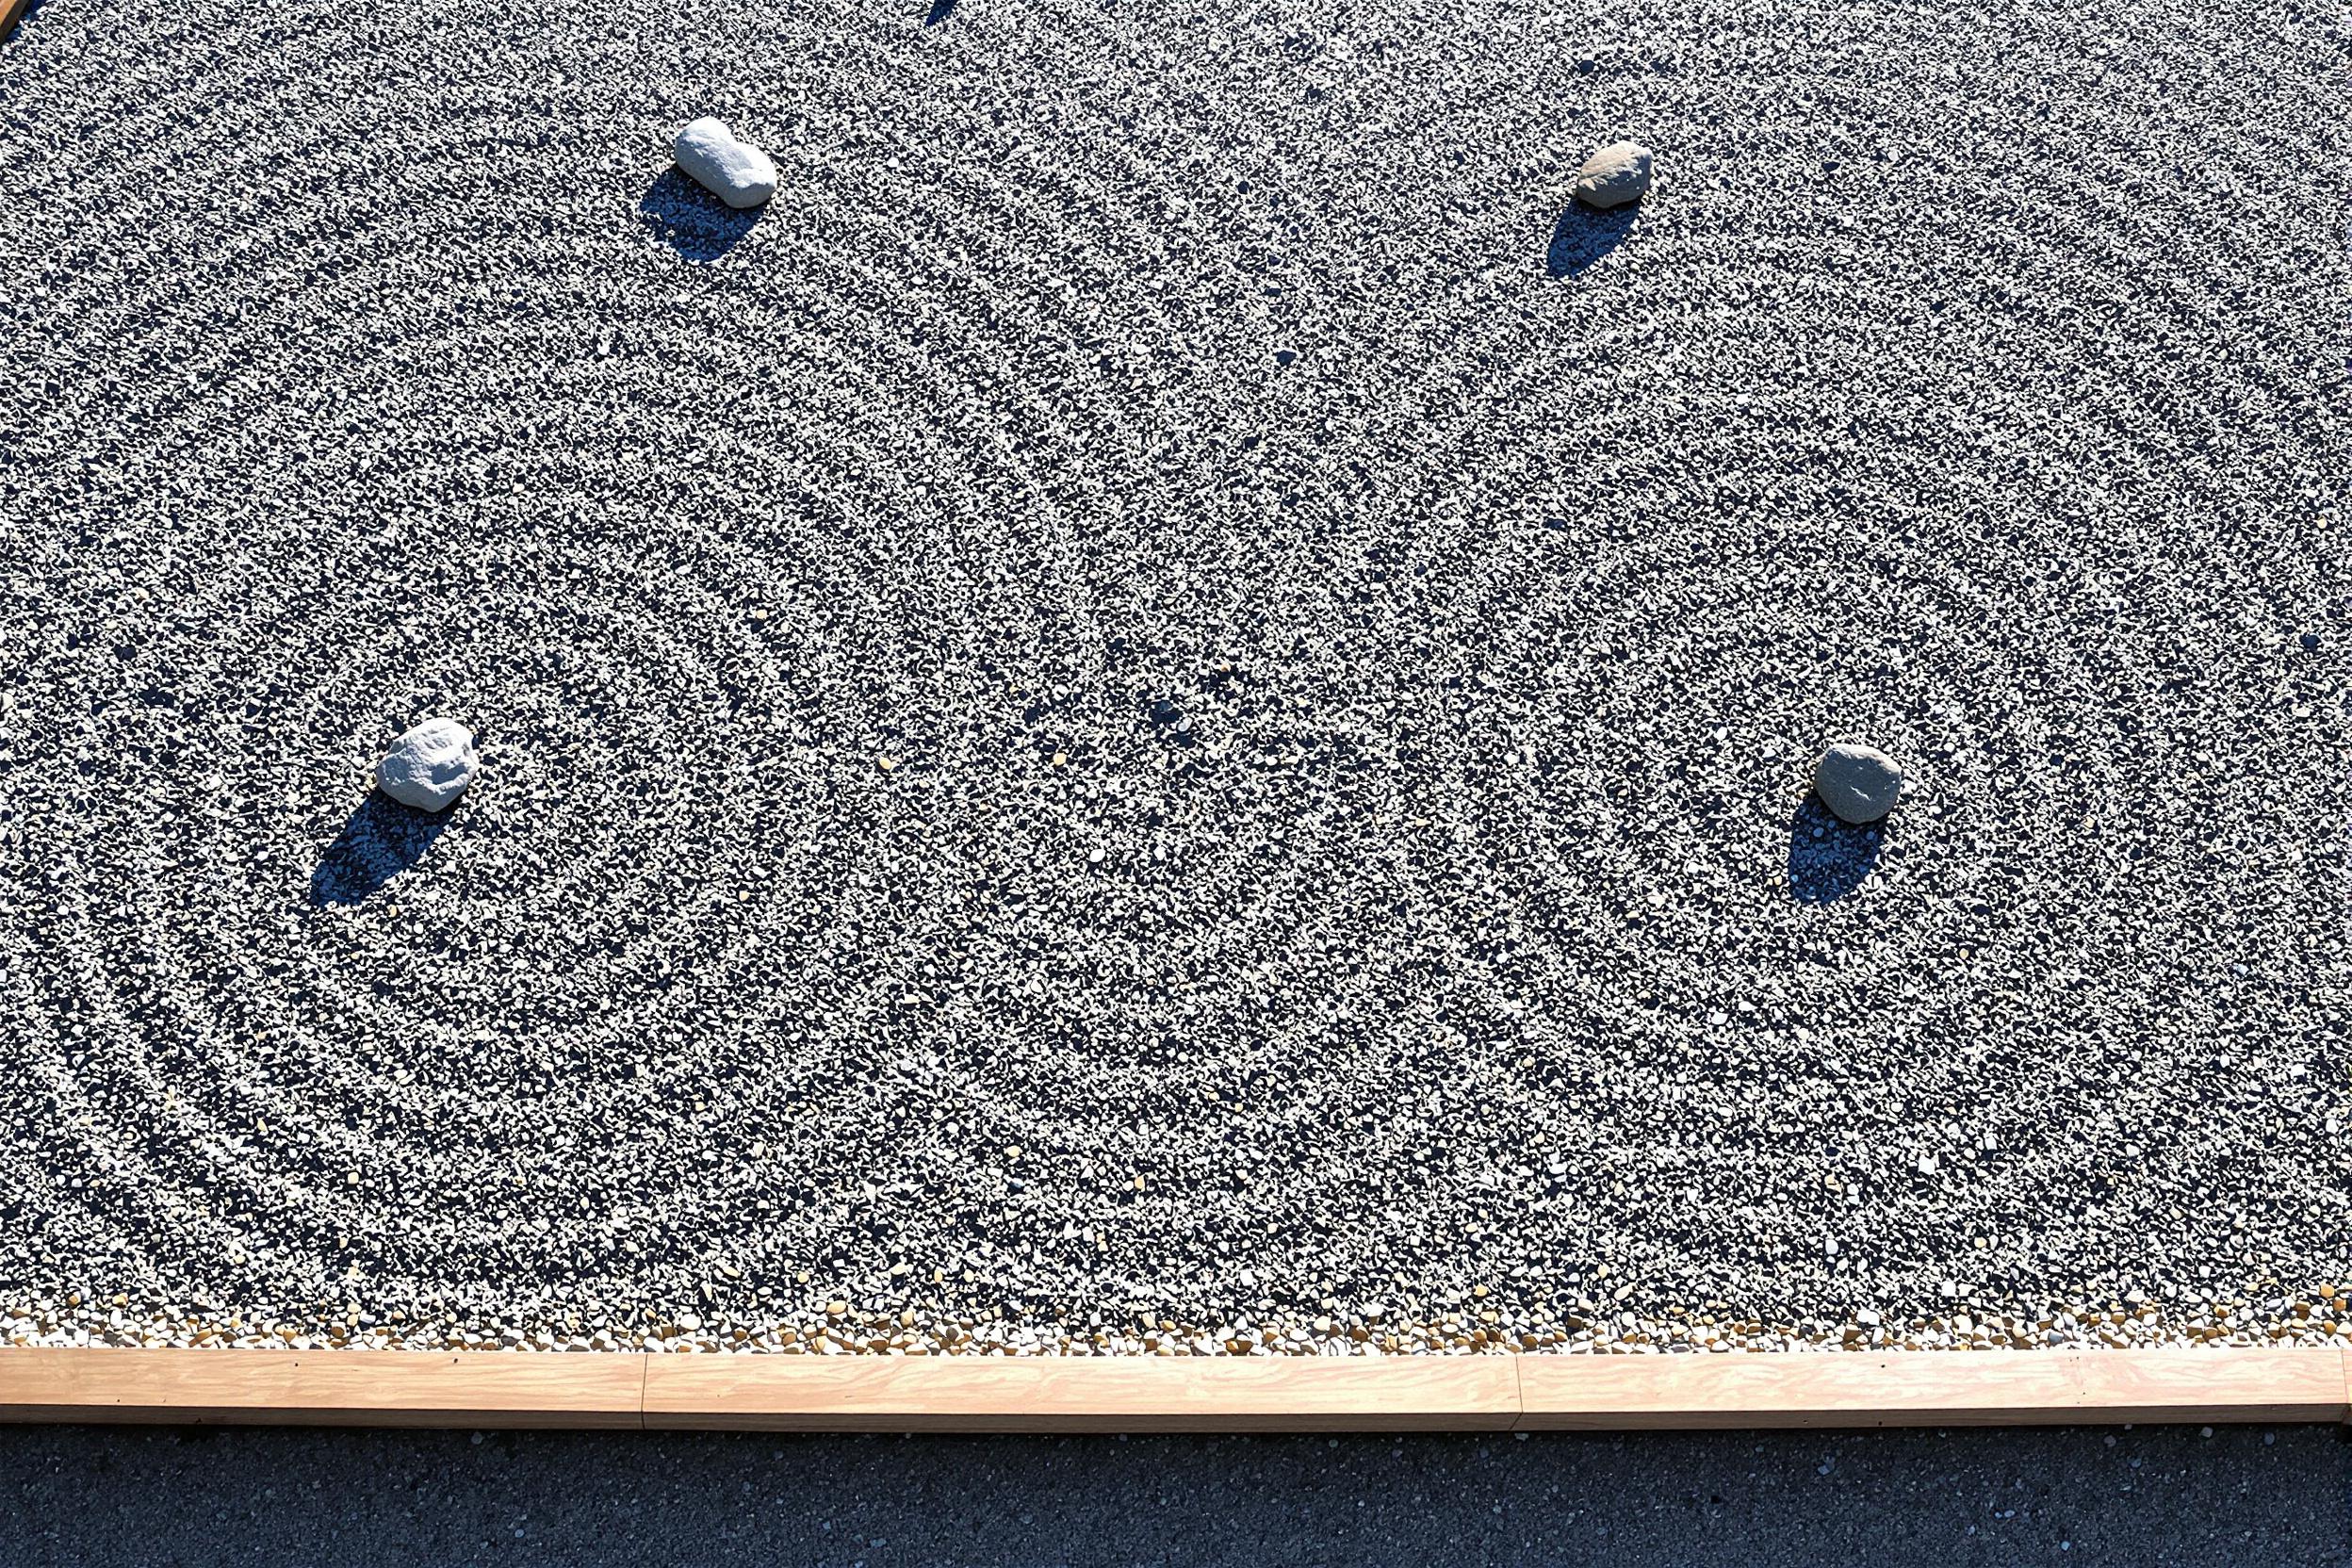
(1514, 1393)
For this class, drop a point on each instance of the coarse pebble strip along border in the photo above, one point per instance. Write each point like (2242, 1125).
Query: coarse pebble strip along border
(1522, 1393)
(2319, 1317)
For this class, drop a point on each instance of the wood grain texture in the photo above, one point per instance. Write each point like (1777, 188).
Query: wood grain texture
(399, 1388)
(2218, 1385)
(1084, 1393)
(1931, 1388)
(328, 1388)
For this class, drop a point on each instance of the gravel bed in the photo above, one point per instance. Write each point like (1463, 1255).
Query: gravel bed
(1168, 709)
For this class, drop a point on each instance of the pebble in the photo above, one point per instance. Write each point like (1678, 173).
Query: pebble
(1859, 783)
(735, 171)
(1618, 174)
(430, 766)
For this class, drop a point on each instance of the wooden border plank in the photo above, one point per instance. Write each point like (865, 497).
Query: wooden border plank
(1932, 1388)
(327, 1388)
(776, 1393)
(1763, 1389)
(1121, 1394)
(12, 13)
(2218, 1385)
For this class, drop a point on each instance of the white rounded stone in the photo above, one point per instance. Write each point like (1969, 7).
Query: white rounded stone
(735, 171)
(430, 766)
(1858, 783)
(1618, 174)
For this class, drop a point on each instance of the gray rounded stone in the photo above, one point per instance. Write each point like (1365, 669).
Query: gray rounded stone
(430, 766)
(1618, 174)
(735, 171)
(1858, 783)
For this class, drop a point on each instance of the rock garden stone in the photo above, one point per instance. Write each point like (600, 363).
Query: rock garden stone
(735, 171)
(1859, 783)
(430, 766)
(1616, 174)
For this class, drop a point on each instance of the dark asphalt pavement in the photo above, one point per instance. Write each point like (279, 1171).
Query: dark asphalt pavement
(2275, 1497)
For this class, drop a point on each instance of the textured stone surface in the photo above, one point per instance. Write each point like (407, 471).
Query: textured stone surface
(732, 170)
(2063, 1497)
(430, 766)
(1859, 783)
(1618, 174)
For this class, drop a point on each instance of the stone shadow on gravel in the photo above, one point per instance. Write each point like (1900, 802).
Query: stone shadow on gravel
(1583, 236)
(383, 840)
(692, 221)
(1828, 859)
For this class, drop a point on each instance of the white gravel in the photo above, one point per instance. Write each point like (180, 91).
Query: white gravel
(1173, 692)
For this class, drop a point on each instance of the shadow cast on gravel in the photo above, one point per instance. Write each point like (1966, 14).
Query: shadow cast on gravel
(692, 221)
(1828, 859)
(1583, 236)
(381, 839)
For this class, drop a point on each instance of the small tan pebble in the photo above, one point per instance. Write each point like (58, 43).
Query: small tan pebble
(1618, 174)
(887, 765)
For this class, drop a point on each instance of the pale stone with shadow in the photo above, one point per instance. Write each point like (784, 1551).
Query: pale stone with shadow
(1618, 174)
(735, 171)
(430, 766)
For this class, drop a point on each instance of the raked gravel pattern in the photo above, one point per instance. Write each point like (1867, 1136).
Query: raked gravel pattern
(1169, 707)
